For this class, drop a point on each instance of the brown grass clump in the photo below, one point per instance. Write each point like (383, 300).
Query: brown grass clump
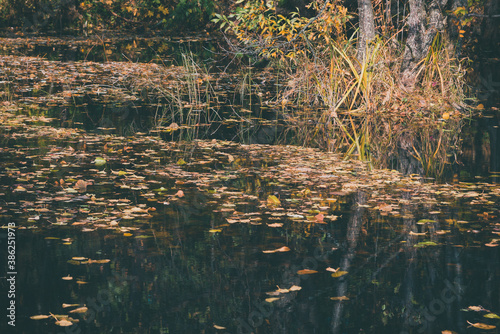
(360, 109)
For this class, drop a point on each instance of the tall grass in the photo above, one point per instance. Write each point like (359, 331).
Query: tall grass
(187, 102)
(359, 109)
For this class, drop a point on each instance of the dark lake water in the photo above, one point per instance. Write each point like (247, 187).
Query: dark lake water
(213, 236)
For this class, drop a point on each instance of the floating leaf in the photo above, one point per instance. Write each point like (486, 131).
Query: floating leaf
(481, 325)
(40, 317)
(272, 299)
(64, 323)
(67, 278)
(475, 309)
(82, 309)
(99, 161)
(425, 221)
(319, 217)
(282, 249)
(491, 316)
(273, 200)
(103, 261)
(81, 186)
(219, 327)
(215, 230)
(295, 288)
(341, 298)
(69, 305)
(425, 244)
(339, 273)
(306, 272)
(181, 162)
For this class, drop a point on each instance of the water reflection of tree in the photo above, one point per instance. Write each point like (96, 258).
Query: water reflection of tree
(353, 231)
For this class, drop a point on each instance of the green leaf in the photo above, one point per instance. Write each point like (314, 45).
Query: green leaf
(425, 221)
(99, 161)
(491, 316)
(425, 244)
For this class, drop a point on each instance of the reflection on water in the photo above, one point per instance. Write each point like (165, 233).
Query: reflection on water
(415, 254)
(217, 237)
(111, 47)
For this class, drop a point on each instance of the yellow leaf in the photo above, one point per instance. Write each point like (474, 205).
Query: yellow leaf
(215, 230)
(273, 200)
(481, 325)
(480, 106)
(272, 299)
(339, 273)
(491, 316)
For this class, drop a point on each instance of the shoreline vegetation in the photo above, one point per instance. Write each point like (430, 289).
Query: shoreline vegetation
(387, 85)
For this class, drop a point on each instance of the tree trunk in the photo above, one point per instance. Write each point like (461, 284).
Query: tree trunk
(366, 27)
(423, 25)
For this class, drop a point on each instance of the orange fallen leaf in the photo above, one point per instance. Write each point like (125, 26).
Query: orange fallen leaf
(481, 325)
(306, 272)
(341, 298)
(282, 249)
